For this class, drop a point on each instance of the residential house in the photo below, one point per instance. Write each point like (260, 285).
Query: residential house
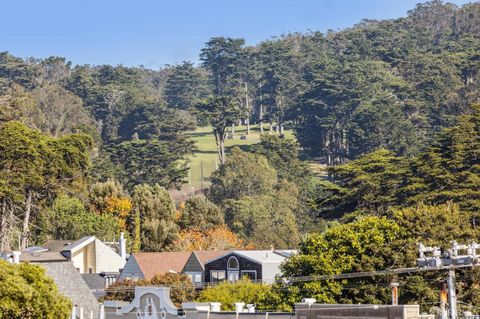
(89, 254)
(258, 265)
(195, 266)
(98, 263)
(147, 265)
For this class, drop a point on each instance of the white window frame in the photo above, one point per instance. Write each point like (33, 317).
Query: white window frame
(193, 274)
(218, 270)
(228, 263)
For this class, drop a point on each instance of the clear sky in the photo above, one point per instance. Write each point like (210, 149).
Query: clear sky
(154, 33)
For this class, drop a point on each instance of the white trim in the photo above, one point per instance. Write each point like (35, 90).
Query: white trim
(236, 254)
(218, 270)
(233, 268)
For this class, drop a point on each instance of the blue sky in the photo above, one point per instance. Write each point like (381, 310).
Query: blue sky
(155, 33)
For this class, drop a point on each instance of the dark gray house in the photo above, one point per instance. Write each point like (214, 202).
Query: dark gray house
(195, 265)
(257, 265)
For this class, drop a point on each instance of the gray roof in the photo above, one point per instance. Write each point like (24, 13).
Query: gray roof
(261, 256)
(71, 284)
(94, 281)
(286, 252)
(56, 245)
(47, 256)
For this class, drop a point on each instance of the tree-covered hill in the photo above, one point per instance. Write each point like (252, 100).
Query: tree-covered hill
(390, 85)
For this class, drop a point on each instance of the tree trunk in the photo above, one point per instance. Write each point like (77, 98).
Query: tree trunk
(3, 227)
(233, 130)
(222, 151)
(247, 121)
(282, 130)
(270, 127)
(220, 141)
(26, 221)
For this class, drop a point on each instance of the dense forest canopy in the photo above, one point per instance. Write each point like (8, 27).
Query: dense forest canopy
(390, 107)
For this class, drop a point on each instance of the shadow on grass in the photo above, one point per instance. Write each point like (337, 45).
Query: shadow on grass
(206, 152)
(198, 134)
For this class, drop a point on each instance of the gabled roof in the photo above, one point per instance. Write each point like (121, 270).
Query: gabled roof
(82, 242)
(71, 284)
(259, 256)
(152, 264)
(205, 256)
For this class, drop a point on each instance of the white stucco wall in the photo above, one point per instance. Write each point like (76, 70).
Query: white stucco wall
(107, 260)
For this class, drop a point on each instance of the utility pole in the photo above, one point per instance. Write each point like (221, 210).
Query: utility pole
(443, 301)
(247, 120)
(452, 296)
(394, 286)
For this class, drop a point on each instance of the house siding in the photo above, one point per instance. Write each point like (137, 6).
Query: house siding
(244, 264)
(194, 265)
(131, 270)
(107, 260)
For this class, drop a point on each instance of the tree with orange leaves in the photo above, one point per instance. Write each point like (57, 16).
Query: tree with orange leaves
(120, 207)
(220, 238)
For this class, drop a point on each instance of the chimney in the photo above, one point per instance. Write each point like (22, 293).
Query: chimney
(215, 306)
(16, 257)
(122, 244)
(239, 306)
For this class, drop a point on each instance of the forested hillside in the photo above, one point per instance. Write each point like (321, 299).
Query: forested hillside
(390, 107)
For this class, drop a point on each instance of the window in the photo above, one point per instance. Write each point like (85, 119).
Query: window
(232, 276)
(233, 263)
(217, 275)
(250, 274)
(195, 277)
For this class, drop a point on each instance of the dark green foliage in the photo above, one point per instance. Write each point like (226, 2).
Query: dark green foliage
(366, 185)
(33, 168)
(283, 155)
(148, 161)
(449, 169)
(185, 86)
(157, 214)
(223, 58)
(243, 174)
(255, 202)
(199, 213)
(68, 219)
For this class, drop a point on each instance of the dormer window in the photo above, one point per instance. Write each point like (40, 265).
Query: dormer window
(232, 263)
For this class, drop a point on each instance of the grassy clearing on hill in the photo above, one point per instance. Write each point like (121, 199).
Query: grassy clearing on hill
(206, 158)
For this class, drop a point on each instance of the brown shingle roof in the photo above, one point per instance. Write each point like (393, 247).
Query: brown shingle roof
(206, 255)
(152, 264)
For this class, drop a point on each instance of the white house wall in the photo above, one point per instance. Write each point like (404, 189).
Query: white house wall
(107, 260)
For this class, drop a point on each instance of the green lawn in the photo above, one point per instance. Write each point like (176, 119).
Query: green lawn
(206, 158)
